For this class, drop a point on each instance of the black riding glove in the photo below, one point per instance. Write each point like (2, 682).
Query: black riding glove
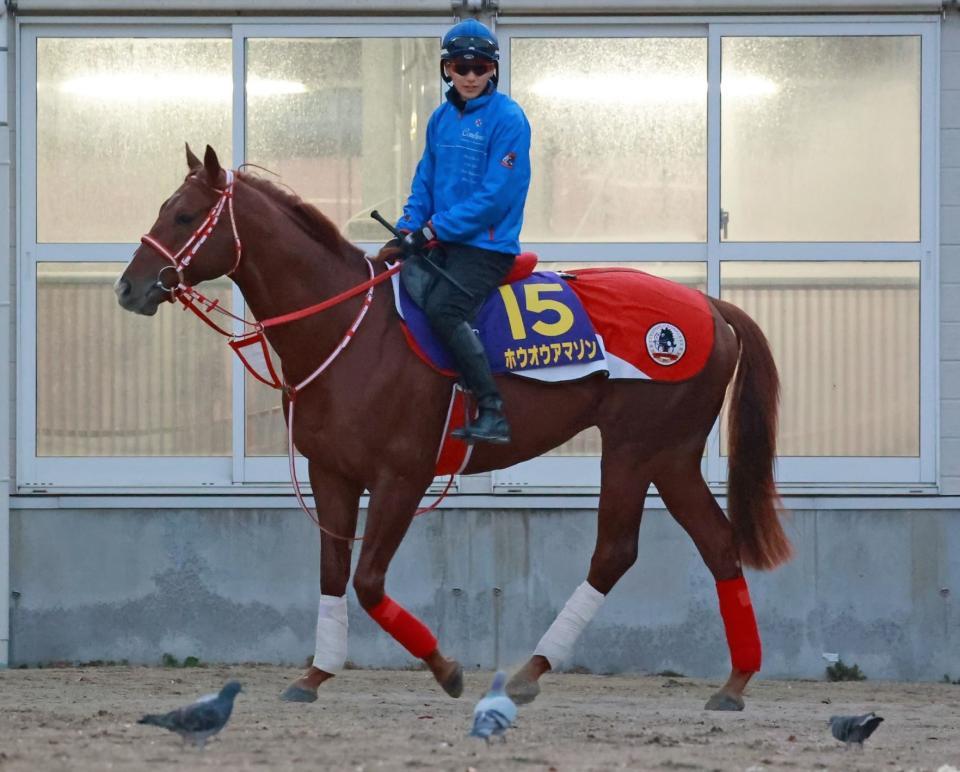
(390, 251)
(419, 241)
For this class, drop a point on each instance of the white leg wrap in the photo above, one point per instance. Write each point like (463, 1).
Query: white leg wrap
(557, 643)
(331, 651)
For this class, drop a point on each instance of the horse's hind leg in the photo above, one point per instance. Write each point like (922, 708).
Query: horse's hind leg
(622, 493)
(338, 513)
(686, 495)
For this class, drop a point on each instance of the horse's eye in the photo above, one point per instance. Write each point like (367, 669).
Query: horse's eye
(184, 219)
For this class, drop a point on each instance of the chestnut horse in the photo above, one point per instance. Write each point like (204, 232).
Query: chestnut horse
(371, 421)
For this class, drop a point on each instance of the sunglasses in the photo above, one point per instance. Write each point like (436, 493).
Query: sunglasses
(477, 68)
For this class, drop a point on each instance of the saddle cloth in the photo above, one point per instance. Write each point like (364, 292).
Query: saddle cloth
(652, 328)
(535, 327)
(621, 322)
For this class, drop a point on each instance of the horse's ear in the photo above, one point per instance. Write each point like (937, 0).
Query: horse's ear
(192, 161)
(212, 164)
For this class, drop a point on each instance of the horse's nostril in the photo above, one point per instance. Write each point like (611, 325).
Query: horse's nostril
(122, 287)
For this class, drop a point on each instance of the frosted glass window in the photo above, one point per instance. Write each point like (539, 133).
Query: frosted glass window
(619, 137)
(112, 118)
(846, 339)
(820, 138)
(693, 275)
(112, 383)
(343, 121)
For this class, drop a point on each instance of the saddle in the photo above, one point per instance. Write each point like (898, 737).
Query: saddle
(523, 266)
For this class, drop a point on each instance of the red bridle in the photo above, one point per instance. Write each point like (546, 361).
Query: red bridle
(188, 251)
(189, 297)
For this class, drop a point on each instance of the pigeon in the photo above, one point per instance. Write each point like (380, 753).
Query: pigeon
(495, 713)
(201, 720)
(854, 729)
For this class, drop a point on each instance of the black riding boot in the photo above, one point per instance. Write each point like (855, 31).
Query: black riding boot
(491, 425)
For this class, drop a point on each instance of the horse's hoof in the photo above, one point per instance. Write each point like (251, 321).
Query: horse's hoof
(522, 691)
(453, 683)
(294, 693)
(723, 701)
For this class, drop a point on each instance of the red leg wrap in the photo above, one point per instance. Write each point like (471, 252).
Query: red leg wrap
(743, 638)
(409, 631)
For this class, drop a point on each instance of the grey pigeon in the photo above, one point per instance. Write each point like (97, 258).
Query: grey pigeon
(854, 729)
(201, 720)
(495, 713)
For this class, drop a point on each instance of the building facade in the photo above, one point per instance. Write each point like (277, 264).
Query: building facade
(801, 160)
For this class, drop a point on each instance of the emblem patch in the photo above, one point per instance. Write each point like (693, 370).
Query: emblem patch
(508, 160)
(478, 123)
(665, 343)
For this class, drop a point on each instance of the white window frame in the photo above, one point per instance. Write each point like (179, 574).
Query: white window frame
(803, 474)
(909, 472)
(273, 469)
(266, 474)
(43, 472)
(188, 474)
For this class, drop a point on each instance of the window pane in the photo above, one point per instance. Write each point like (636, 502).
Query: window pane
(112, 117)
(820, 138)
(343, 121)
(111, 383)
(619, 146)
(846, 339)
(693, 275)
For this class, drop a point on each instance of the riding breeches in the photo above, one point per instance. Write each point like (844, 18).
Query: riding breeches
(451, 303)
(477, 271)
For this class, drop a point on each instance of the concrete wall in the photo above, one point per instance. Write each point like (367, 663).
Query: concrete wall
(878, 587)
(539, 7)
(7, 327)
(950, 255)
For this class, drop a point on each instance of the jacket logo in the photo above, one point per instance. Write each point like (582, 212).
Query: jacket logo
(508, 160)
(474, 135)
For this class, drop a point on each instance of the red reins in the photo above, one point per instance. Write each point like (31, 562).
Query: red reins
(202, 306)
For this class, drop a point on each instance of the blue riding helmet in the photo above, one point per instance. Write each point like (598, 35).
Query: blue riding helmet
(468, 40)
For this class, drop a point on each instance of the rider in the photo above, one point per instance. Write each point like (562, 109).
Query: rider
(468, 194)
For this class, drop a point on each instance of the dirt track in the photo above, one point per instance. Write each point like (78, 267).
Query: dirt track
(85, 719)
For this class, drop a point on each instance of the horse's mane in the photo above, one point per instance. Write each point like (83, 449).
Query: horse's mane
(307, 216)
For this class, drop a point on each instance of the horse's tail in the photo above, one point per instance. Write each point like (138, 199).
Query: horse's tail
(752, 500)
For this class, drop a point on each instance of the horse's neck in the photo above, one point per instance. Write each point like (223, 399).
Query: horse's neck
(278, 275)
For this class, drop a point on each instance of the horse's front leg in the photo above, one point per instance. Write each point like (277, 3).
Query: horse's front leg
(392, 507)
(338, 502)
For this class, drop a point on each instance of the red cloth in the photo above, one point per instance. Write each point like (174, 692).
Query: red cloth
(740, 624)
(409, 631)
(453, 452)
(626, 306)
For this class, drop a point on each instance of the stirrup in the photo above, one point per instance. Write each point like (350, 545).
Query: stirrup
(490, 426)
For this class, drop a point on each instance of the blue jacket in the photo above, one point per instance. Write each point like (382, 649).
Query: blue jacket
(472, 180)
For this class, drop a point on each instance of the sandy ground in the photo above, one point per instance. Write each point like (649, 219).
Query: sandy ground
(85, 719)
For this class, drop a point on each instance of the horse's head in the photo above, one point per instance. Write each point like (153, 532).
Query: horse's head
(166, 257)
